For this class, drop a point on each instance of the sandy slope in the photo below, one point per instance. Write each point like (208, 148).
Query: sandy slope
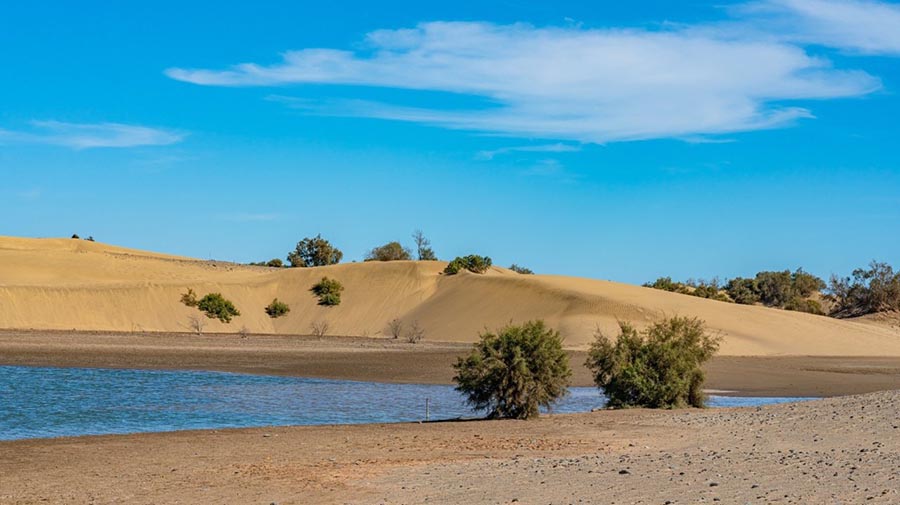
(73, 284)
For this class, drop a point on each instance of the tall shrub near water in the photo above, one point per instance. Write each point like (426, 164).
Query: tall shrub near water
(660, 367)
(514, 372)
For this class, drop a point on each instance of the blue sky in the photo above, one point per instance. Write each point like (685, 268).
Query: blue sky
(614, 140)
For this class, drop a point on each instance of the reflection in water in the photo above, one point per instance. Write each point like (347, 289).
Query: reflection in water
(52, 402)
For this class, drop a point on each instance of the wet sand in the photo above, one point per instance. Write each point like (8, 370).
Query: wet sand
(839, 450)
(387, 360)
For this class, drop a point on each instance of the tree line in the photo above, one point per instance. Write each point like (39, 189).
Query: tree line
(867, 290)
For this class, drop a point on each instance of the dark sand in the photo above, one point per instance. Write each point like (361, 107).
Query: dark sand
(385, 360)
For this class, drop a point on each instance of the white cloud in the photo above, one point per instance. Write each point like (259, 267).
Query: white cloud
(542, 148)
(863, 26)
(568, 83)
(84, 136)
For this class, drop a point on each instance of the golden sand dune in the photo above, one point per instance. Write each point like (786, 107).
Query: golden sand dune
(73, 284)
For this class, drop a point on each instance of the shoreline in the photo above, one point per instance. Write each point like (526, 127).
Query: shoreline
(789, 452)
(389, 361)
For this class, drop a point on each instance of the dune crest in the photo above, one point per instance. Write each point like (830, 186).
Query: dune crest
(69, 284)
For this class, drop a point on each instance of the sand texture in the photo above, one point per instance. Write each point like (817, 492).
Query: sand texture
(836, 451)
(64, 284)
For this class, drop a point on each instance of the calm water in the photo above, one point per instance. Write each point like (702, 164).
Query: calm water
(53, 402)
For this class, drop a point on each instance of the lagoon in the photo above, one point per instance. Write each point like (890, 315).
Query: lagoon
(41, 402)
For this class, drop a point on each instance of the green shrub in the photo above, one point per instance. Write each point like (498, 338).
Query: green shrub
(392, 251)
(218, 307)
(189, 298)
(473, 263)
(277, 308)
(328, 291)
(521, 270)
(314, 252)
(515, 371)
(807, 305)
(660, 367)
(743, 291)
(875, 289)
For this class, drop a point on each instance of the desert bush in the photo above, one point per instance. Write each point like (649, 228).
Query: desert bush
(521, 270)
(314, 252)
(392, 251)
(473, 263)
(196, 324)
(328, 291)
(807, 305)
(415, 333)
(75, 236)
(272, 263)
(743, 291)
(218, 307)
(319, 328)
(423, 247)
(867, 291)
(189, 298)
(277, 308)
(667, 284)
(514, 372)
(395, 327)
(660, 367)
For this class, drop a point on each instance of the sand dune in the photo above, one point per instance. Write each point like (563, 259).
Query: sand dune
(72, 284)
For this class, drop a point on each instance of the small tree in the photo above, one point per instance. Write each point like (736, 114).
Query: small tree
(415, 333)
(328, 291)
(514, 372)
(392, 251)
(75, 236)
(319, 328)
(660, 367)
(218, 307)
(395, 327)
(473, 263)
(189, 298)
(314, 252)
(423, 247)
(275, 263)
(521, 270)
(277, 308)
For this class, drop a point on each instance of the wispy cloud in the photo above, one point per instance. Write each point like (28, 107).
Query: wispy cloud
(596, 85)
(91, 135)
(542, 148)
(863, 26)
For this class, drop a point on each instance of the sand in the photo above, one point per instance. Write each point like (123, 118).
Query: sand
(64, 284)
(842, 450)
(387, 360)
(124, 304)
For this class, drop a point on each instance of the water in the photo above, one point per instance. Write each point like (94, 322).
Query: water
(54, 402)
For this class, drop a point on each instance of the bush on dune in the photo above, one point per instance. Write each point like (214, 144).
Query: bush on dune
(473, 263)
(514, 372)
(314, 252)
(660, 367)
(867, 291)
(277, 309)
(328, 291)
(392, 251)
(218, 307)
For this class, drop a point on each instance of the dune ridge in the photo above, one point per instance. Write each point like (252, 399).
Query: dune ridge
(65, 284)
